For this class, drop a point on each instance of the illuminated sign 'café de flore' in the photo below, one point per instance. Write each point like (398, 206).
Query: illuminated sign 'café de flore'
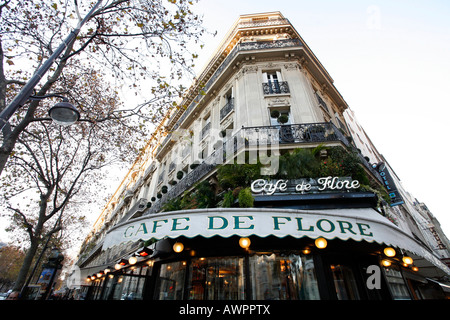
(263, 188)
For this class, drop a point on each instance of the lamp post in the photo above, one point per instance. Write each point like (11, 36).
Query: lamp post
(52, 267)
(27, 89)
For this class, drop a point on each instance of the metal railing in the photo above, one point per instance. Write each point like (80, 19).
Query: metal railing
(275, 87)
(295, 133)
(254, 136)
(206, 129)
(227, 109)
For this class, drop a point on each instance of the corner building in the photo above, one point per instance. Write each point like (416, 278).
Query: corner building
(261, 186)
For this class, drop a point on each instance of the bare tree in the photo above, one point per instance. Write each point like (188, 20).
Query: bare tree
(51, 166)
(143, 44)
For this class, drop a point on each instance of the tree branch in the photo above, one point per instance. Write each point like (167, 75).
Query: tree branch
(28, 226)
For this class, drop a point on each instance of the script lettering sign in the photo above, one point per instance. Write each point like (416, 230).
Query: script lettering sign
(270, 187)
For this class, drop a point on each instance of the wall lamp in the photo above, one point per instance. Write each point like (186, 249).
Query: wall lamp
(389, 252)
(120, 264)
(244, 243)
(321, 243)
(145, 252)
(178, 247)
(132, 260)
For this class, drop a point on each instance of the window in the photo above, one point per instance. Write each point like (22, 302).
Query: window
(129, 286)
(344, 282)
(280, 116)
(217, 279)
(396, 283)
(289, 277)
(206, 126)
(273, 83)
(170, 283)
(272, 76)
(186, 151)
(203, 154)
(229, 105)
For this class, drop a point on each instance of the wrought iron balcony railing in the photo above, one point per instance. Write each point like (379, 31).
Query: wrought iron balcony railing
(253, 136)
(206, 129)
(275, 87)
(227, 109)
(294, 133)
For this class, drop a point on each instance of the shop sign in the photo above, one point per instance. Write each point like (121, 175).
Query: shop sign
(304, 185)
(389, 184)
(211, 223)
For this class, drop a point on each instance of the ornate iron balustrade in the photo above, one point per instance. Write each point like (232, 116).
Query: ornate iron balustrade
(172, 166)
(206, 129)
(139, 206)
(227, 109)
(253, 136)
(275, 87)
(192, 177)
(161, 176)
(294, 133)
(298, 134)
(263, 23)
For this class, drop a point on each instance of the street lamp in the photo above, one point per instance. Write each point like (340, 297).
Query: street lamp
(62, 113)
(53, 265)
(25, 94)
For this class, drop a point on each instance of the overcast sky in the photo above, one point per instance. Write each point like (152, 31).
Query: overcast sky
(390, 60)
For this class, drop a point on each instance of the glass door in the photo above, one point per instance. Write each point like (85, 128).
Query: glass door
(345, 277)
(344, 282)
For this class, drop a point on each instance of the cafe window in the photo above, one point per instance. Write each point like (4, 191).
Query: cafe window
(396, 283)
(217, 279)
(283, 277)
(170, 284)
(344, 282)
(128, 286)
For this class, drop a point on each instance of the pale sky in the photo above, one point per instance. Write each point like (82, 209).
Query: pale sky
(390, 60)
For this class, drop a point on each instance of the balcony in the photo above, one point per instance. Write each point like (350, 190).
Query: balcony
(136, 211)
(294, 134)
(172, 166)
(205, 129)
(227, 109)
(275, 87)
(161, 176)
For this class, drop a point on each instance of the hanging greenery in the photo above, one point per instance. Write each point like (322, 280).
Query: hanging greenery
(200, 197)
(245, 198)
(228, 199)
(233, 175)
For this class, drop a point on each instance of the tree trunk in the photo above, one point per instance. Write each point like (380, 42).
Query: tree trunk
(5, 151)
(23, 273)
(35, 240)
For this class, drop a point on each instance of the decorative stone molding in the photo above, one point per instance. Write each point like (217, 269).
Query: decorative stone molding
(278, 102)
(250, 69)
(291, 66)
